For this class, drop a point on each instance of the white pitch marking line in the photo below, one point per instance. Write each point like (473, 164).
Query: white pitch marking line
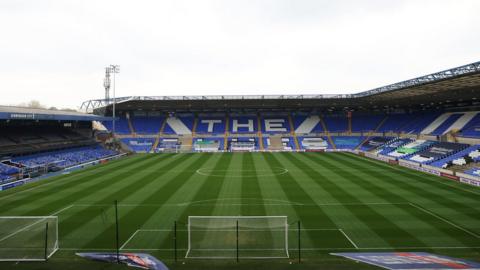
(63, 209)
(28, 226)
(128, 240)
(440, 181)
(348, 238)
(310, 249)
(445, 220)
(198, 202)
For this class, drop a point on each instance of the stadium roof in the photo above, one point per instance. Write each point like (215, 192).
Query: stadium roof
(458, 86)
(21, 113)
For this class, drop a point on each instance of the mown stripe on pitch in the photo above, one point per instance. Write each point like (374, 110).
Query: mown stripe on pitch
(430, 180)
(346, 216)
(295, 192)
(251, 189)
(208, 190)
(129, 187)
(61, 183)
(59, 198)
(103, 181)
(427, 193)
(137, 216)
(387, 195)
(394, 235)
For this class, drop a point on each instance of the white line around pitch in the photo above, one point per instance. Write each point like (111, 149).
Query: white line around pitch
(445, 220)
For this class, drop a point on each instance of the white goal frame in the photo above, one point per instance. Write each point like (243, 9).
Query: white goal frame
(285, 226)
(35, 220)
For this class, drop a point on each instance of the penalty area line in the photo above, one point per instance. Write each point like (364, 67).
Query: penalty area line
(348, 238)
(129, 239)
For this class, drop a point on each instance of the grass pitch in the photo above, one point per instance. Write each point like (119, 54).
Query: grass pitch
(344, 203)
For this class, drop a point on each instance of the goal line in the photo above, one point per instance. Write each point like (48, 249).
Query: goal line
(252, 237)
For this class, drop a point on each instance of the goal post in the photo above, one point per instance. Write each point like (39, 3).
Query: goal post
(28, 238)
(252, 237)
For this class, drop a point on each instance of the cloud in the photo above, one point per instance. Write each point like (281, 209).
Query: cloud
(55, 51)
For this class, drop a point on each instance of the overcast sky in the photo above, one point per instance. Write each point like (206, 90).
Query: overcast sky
(56, 51)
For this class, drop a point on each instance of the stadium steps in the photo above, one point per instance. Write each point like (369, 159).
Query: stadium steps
(260, 136)
(155, 144)
(324, 126)
(194, 128)
(381, 124)
(130, 125)
(186, 143)
(349, 124)
(162, 128)
(436, 123)
(293, 132)
(375, 131)
(225, 137)
(275, 143)
(461, 122)
(307, 125)
(178, 126)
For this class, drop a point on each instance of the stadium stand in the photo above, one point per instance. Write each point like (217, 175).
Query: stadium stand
(179, 125)
(474, 172)
(411, 148)
(243, 124)
(336, 123)
(208, 144)
(460, 158)
(374, 143)
(277, 143)
(121, 125)
(275, 124)
(210, 125)
(7, 172)
(313, 143)
(142, 145)
(472, 128)
(446, 124)
(366, 123)
(168, 145)
(438, 151)
(243, 144)
(64, 158)
(307, 124)
(420, 122)
(147, 125)
(347, 142)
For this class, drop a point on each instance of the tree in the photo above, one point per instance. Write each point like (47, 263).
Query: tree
(35, 104)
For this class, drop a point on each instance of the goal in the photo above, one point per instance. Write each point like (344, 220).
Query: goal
(253, 237)
(28, 238)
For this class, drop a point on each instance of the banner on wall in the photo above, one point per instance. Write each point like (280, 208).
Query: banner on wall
(410, 260)
(138, 260)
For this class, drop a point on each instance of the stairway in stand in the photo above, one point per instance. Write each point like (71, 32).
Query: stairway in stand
(324, 126)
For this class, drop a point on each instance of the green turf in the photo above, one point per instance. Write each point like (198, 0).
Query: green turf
(344, 203)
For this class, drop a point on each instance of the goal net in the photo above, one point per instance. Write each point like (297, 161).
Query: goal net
(28, 238)
(237, 236)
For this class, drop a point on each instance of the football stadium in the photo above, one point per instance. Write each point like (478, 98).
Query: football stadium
(276, 182)
(240, 135)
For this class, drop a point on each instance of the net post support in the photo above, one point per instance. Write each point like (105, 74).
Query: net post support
(237, 240)
(46, 241)
(299, 243)
(175, 239)
(117, 232)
